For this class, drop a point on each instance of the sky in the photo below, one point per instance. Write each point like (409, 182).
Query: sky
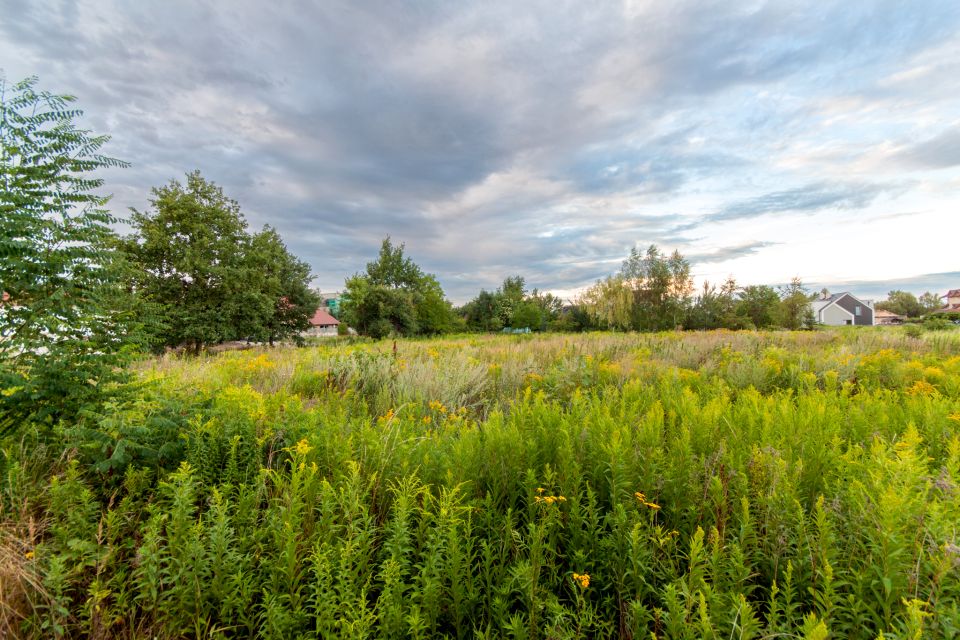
(763, 140)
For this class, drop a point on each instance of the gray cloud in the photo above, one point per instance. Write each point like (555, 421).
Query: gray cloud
(940, 152)
(729, 253)
(806, 199)
(539, 138)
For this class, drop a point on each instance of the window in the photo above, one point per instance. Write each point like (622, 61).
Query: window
(848, 321)
(857, 310)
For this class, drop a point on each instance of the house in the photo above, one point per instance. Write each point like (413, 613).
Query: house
(842, 309)
(322, 324)
(953, 302)
(887, 317)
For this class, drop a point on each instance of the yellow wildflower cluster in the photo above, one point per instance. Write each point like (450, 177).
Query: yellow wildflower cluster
(436, 405)
(582, 579)
(542, 499)
(610, 368)
(427, 419)
(260, 363)
(532, 378)
(388, 416)
(922, 388)
(639, 495)
(302, 448)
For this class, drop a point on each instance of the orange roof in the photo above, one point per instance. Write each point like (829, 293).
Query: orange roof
(322, 318)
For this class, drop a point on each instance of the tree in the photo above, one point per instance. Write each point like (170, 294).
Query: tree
(285, 280)
(66, 322)
(759, 304)
(192, 250)
(661, 288)
(483, 312)
(609, 303)
(527, 315)
(795, 310)
(930, 302)
(395, 296)
(902, 303)
(715, 308)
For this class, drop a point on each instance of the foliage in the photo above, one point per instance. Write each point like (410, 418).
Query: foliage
(710, 484)
(906, 304)
(209, 278)
(66, 322)
(760, 304)
(650, 293)
(511, 306)
(795, 311)
(284, 279)
(394, 296)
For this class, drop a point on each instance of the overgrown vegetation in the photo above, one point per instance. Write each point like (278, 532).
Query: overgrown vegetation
(206, 278)
(65, 321)
(753, 485)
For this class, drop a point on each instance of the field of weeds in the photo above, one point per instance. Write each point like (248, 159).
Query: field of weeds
(679, 485)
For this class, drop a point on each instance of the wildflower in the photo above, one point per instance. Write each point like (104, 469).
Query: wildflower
(427, 419)
(540, 490)
(652, 505)
(582, 579)
(303, 448)
(640, 496)
(954, 416)
(28, 555)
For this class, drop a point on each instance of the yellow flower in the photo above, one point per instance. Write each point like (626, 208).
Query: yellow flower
(954, 416)
(303, 448)
(427, 419)
(28, 555)
(540, 490)
(640, 496)
(653, 506)
(583, 579)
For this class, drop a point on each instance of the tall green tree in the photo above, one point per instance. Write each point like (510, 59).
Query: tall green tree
(66, 323)
(483, 312)
(395, 296)
(207, 277)
(930, 301)
(285, 280)
(760, 304)
(193, 252)
(903, 303)
(795, 310)
(609, 303)
(661, 287)
(716, 308)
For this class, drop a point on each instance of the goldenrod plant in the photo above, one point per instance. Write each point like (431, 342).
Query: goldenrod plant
(671, 485)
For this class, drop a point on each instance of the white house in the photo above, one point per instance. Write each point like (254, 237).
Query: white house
(843, 309)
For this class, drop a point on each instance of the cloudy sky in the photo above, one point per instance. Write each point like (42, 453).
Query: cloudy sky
(761, 139)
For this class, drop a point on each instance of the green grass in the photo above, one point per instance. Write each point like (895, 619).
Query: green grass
(711, 485)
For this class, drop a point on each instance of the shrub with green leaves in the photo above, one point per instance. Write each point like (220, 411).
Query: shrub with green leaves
(66, 320)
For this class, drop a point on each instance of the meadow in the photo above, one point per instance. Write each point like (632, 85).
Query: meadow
(672, 485)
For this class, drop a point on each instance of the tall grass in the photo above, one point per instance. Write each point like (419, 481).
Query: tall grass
(699, 485)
